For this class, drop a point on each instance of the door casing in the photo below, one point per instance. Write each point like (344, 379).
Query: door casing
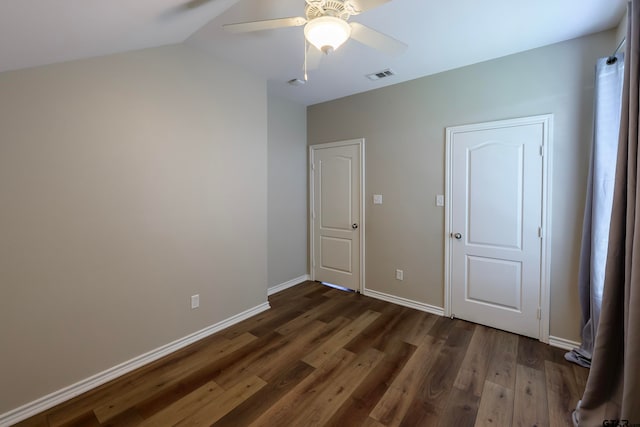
(546, 120)
(361, 150)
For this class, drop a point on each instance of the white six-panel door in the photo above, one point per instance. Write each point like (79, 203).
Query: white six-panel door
(336, 213)
(495, 236)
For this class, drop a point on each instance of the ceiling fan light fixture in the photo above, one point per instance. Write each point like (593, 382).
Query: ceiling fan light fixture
(327, 33)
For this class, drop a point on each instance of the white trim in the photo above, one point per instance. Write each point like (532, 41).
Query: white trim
(545, 265)
(438, 311)
(288, 284)
(363, 283)
(49, 401)
(360, 142)
(447, 221)
(547, 173)
(311, 213)
(563, 343)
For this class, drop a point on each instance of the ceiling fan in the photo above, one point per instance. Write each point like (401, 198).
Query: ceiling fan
(327, 27)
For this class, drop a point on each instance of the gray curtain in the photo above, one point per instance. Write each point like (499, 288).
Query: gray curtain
(597, 213)
(613, 387)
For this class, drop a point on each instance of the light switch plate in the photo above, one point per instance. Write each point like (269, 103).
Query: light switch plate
(440, 200)
(377, 199)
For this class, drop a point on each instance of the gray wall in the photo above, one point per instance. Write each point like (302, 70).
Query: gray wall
(287, 201)
(404, 126)
(127, 183)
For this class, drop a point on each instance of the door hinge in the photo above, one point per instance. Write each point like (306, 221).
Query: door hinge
(541, 151)
(539, 314)
(313, 215)
(540, 232)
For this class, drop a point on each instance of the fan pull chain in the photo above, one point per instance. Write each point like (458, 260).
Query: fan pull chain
(306, 48)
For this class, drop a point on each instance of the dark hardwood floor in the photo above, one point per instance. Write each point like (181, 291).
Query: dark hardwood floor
(325, 357)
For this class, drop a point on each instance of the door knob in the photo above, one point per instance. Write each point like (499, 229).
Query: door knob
(458, 236)
(354, 225)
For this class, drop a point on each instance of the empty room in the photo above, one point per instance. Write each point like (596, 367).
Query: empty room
(319, 213)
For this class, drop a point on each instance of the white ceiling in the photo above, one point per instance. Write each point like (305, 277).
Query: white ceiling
(441, 35)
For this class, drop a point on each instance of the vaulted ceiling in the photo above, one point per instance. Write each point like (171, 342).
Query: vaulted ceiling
(441, 35)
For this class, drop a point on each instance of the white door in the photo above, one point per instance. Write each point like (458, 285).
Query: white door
(336, 212)
(495, 228)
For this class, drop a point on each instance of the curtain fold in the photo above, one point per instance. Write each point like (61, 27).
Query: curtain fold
(613, 387)
(599, 200)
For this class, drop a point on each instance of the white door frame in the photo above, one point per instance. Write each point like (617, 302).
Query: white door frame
(360, 143)
(545, 261)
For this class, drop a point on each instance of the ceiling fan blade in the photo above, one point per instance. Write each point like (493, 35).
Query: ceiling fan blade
(188, 6)
(359, 6)
(377, 40)
(192, 4)
(314, 56)
(269, 24)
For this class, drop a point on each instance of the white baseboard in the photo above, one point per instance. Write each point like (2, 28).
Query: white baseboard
(438, 311)
(553, 341)
(60, 396)
(286, 285)
(563, 343)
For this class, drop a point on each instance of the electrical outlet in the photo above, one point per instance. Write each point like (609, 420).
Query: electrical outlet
(195, 301)
(399, 275)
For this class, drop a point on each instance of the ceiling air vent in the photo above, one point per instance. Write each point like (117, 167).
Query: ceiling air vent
(296, 82)
(381, 74)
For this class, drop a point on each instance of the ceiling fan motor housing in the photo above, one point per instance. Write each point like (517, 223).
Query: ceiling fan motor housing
(337, 8)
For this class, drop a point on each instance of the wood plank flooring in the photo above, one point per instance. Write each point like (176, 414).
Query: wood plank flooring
(324, 357)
